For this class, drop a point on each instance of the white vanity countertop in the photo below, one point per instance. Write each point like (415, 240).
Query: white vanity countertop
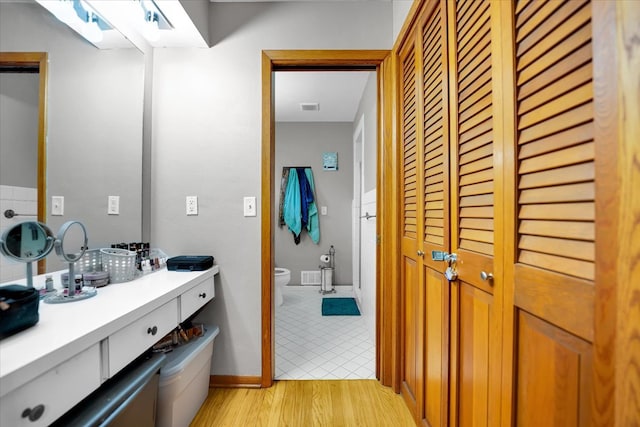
(66, 329)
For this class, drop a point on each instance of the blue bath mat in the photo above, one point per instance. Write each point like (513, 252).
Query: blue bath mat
(339, 307)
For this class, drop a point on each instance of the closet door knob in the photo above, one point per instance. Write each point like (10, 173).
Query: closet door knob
(486, 276)
(420, 253)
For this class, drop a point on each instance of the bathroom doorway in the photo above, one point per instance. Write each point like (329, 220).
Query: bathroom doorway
(302, 61)
(308, 344)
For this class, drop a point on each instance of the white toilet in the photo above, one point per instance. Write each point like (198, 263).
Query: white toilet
(283, 276)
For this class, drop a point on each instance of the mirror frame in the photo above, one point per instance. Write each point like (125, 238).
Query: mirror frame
(40, 61)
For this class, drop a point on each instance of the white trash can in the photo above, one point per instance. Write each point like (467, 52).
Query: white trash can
(184, 381)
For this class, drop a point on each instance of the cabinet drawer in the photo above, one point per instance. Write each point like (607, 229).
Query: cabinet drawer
(131, 341)
(195, 298)
(53, 393)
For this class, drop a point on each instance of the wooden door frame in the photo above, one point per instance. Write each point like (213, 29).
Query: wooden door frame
(386, 180)
(40, 61)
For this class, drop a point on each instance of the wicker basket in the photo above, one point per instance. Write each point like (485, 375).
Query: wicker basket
(119, 263)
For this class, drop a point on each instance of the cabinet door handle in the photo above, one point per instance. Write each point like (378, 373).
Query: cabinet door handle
(420, 253)
(202, 295)
(486, 276)
(33, 414)
(153, 330)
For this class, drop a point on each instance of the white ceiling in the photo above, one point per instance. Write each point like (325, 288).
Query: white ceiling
(337, 92)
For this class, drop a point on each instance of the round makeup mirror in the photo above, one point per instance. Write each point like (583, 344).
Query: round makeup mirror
(71, 242)
(27, 242)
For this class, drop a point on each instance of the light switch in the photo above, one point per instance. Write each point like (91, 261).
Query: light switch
(57, 205)
(113, 205)
(192, 205)
(249, 206)
(323, 210)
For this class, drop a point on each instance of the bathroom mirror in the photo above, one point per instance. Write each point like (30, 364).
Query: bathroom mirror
(27, 242)
(91, 133)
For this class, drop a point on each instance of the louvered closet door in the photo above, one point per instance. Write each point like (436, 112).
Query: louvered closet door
(475, 214)
(412, 294)
(435, 188)
(554, 241)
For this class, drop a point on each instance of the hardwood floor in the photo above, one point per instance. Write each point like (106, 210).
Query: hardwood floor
(305, 404)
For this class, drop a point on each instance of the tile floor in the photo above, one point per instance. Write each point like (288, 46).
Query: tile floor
(310, 346)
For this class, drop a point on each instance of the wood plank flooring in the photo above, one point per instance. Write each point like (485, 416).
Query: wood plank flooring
(305, 404)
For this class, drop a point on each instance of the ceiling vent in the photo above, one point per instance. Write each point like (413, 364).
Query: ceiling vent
(309, 106)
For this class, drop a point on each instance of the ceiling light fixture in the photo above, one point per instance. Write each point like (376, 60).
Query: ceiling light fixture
(154, 21)
(151, 29)
(91, 30)
(78, 15)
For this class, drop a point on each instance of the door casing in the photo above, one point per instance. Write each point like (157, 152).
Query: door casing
(319, 60)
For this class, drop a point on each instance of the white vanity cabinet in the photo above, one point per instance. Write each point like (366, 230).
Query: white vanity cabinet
(50, 367)
(132, 340)
(42, 400)
(196, 297)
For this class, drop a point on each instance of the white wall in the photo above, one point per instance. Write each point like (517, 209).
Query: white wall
(366, 291)
(368, 246)
(302, 144)
(207, 142)
(94, 123)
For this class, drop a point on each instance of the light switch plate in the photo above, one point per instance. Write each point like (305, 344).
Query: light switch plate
(113, 205)
(250, 206)
(323, 210)
(57, 205)
(192, 205)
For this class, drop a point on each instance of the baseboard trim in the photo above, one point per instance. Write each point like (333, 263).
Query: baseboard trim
(234, 381)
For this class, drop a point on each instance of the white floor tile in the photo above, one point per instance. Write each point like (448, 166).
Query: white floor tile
(312, 346)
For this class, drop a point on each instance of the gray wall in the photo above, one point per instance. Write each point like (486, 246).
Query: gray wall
(95, 102)
(207, 142)
(400, 11)
(302, 144)
(19, 129)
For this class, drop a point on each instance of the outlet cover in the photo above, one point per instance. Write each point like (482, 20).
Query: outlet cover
(249, 206)
(192, 205)
(113, 205)
(57, 205)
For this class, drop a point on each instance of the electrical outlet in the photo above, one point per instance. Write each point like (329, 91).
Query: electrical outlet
(57, 205)
(249, 206)
(113, 205)
(192, 205)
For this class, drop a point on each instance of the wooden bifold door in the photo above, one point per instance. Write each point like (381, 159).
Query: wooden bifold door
(498, 126)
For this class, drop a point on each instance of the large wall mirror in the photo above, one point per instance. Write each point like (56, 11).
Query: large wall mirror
(88, 145)
(23, 89)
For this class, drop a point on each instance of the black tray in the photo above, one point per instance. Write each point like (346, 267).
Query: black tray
(190, 263)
